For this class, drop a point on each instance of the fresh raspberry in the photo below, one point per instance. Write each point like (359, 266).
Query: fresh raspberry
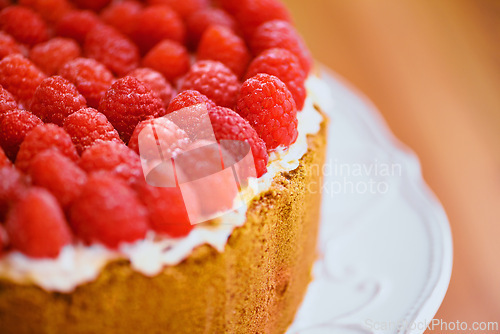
(13, 129)
(41, 138)
(108, 46)
(36, 225)
(281, 34)
(91, 78)
(87, 127)
(7, 102)
(156, 82)
(268, 106)
(166, 208)
(253, 13)
(5, 3)
(214, 80)
(108, 212)
(94, 5)
(189, 98)
(183, 7)
(19, 76)
(59, 175)
(55, 99)
(77, 24)
(222, 44)
(4, 161)
(156, 23)
(200, 20)
(284, 65)
(128, 102)
(8, 45)
(50, 56)
(50, 10)
(122, 15)
(228, 125)
(169, 58)
(13, 186)
(114, 158)
(24, 25)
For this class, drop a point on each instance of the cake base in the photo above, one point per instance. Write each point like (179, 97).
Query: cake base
(255, 286)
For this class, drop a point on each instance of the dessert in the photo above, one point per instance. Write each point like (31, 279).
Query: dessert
(88, 242)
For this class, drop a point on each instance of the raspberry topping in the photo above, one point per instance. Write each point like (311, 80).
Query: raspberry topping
(169, 58)
(36, 225)
(77, 24)
(91, 78)
(8, 45)
(13, 185)
(108, 212)
(286, 66)
(268, 106)
(281, 34)
(41, 138)
(121, 15)
(20, 77)
(13, 129)
(183, 7)
(87, 127)
(50, 10)
(128, 102)
(228, 125)
(59, 175)
(114, 158)
(222, 44)
(215, 80)
(24, 25)
(252, 13)
(156, 82)
(108, 46)
(199, 21)
(189, 98)
(55, 99)
(50, 56)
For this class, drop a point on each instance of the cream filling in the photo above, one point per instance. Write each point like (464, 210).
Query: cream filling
(79, 264)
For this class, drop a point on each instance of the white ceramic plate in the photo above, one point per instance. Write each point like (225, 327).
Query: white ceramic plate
(385, 243)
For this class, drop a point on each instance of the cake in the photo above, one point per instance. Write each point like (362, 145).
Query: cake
(88, 242)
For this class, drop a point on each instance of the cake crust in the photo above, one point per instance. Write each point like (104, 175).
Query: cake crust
(255, 286)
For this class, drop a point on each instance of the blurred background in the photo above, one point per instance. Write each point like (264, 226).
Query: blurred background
(432, 67)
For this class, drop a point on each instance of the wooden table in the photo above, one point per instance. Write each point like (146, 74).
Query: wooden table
(433, 69)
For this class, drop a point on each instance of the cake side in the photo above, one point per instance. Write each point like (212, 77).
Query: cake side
(255, 285)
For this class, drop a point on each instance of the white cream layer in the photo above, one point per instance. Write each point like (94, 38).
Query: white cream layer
(79, 264)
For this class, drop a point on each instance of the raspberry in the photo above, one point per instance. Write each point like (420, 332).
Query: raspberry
(4, 161)
(281, 34)
(214, 80)
(7, 102)
(253, 13)
(108, 212)
(36, 225)
(13, 129)
(19, 76)
(59, 175)
(167, 212)
(108, 46)
(94, 5)
(5, 3)
(24, 25)
(183, 7)
(268, 106)
(228, 125)
(156, 23)
(199, 21)
(77, 24)
(50, 56)
(8, 45)
(169, 58)
(122, 15)
(114, 158)
(41, 138)
(156, 82)
(50, 10)
(87, 127)
(284, 65)
(128, 102)
(221, 44)
(189, 98)
(91, 78)
(3, 239)
(13, 185)
(55, 99)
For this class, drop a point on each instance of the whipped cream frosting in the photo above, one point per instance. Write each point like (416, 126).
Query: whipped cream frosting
(79, 264)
